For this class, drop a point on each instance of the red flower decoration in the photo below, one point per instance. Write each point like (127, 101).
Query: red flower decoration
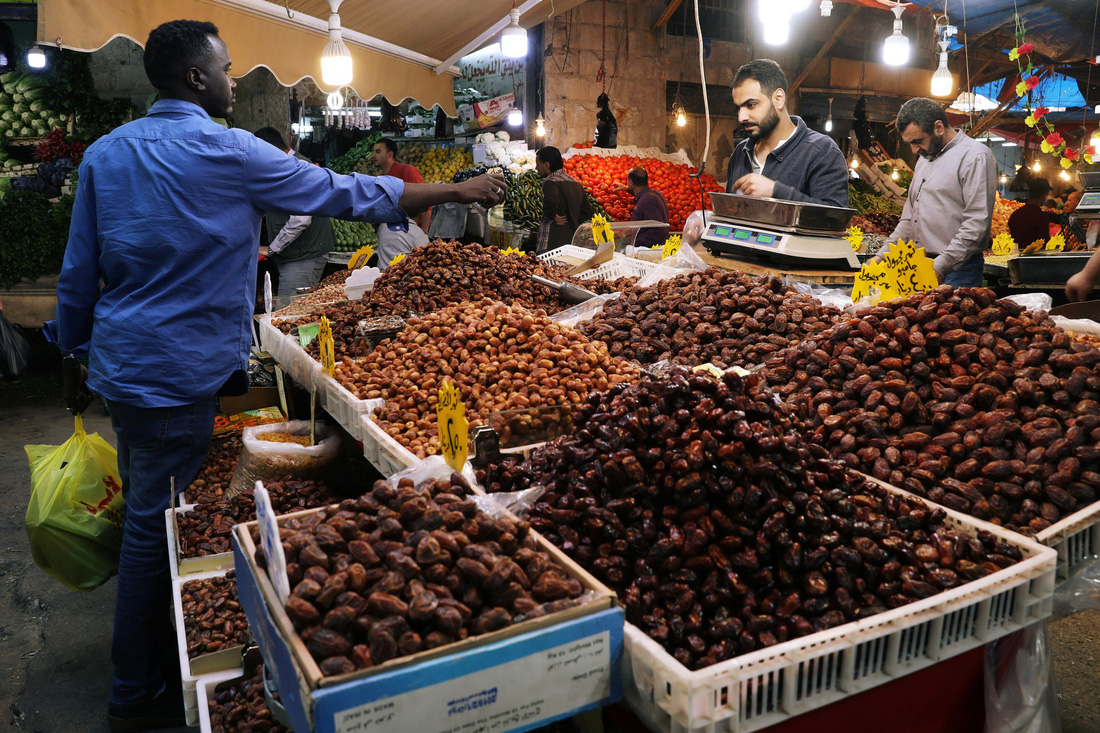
(1039, 112)
(1054, 139)
(1025, 48)
(1032, 81)
(1070, 153)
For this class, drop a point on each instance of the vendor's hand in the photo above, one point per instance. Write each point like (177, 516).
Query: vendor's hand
(488, 189)
(754, 184)
(561, 220)
(74, 377)
(620, 187)
(263, 251)
(1079, 286)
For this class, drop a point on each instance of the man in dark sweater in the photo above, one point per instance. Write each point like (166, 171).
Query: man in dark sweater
(1029, 222)
(782, 158)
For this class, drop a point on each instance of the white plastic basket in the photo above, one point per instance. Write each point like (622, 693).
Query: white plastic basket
(1076, 539)
(202, 693)
(756, 690)
(619, 267)
(382, 451)
(208, 664)
(554, 256)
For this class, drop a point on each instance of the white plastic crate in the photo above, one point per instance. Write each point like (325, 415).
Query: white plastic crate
(197, 702)
(1076, 539)
(188, 567)
(206, 664)
(382, 451)
(572, 251)
(618, 267)
(756, 690)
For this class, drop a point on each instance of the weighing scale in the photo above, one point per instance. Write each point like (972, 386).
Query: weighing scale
(776, 232)
(1089, 205)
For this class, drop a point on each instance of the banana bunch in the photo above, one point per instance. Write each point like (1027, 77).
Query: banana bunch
(351, 235)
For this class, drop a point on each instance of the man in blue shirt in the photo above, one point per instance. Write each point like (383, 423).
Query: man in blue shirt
(157, 286)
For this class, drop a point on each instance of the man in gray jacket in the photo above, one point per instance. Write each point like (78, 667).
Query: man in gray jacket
(782, 158)
(949, 210)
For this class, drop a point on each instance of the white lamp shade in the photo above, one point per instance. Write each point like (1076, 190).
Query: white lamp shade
(513, 39)
(540, 127)
(777, 32)
(829, 125)
(826, 8)
(895, 51)
(36, 58)
(942, 82)
(515, 117)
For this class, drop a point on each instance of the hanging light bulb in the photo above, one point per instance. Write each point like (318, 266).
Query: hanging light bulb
(894, 174)
(855, 163)
(36, 58)
(513, 39)
(941, 79)
(777, 31)
(829, 120)
(895, 51)
(336, 64)
(1036, 167)
(1064, 175)
(681, 116)
(826, 8)
(515, 117)
(335, 100)
(540, 127)
(1004, 178)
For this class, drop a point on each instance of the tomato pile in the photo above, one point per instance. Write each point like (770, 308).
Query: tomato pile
(600, 175)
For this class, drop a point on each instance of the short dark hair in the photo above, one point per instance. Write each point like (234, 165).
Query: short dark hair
(765, 72)
(1037, 188)
(390, 145)
(174, 47)
(638, 176)
(922, 112)
(551, 156)
(272, 136)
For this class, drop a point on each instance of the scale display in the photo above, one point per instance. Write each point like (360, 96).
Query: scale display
(1090, 200)
(740, 235)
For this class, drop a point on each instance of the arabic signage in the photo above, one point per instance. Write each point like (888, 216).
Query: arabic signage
(492, 73)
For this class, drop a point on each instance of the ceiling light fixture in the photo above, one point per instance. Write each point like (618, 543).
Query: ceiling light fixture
(829, 119)
(36, 58)
(515, 117)
(826, 8)
(1064, 175)
(513, 39)
(1036, 167)
(335, 100)
(895, 51)
(1004, 178)
(942, 81)
(540, 127)
(336, 66)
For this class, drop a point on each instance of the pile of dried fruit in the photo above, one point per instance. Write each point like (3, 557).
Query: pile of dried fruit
(726, 318)
(217, 470)
(952, 394)
(212, 615)
(243, 708)
(205, 529)
(722, 530)
(500, 357)
(405, 569)
(283, 437)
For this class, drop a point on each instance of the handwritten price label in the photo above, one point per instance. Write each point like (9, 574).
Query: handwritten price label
(854, 235)
(601, 230)
(1003, 244)
(1057, 243)
(672, 247)
(513, 251)
(396, 259)
(454, 429)
(360, 258)
(327, 347)
(904, 270)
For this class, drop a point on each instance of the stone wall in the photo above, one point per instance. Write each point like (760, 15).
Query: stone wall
(261, 102)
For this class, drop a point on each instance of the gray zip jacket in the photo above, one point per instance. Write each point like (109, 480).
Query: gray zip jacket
(949, 210)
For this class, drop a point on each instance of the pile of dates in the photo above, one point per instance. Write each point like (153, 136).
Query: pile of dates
(217, 470)
(500, 357)
(954, 395)
(242, 708)
(212, 615)
(343, 319)
(206, 529)
(726, 318)
(407, 568)
(722, 530)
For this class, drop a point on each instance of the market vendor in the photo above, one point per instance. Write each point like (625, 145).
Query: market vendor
(781, 158)
(299, 244)
(949, 209)
(1029, 222)
(157, 287)
(398, 238)
(565, 203)
(384, 156)
(649, 205)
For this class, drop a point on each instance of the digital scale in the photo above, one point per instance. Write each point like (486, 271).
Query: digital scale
(1089, 205)
(773, 231)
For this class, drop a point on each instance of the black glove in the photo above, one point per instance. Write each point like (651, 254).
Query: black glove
(74, 377)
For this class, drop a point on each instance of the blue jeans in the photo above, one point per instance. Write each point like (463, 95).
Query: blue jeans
(969, 275)
(154, 445)
(300, 274)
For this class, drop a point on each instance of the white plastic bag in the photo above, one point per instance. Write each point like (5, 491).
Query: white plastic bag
(433, 468)
(827, 296)
(263, 460)
(1033, 301)
(1019, 683)
(1077, 325)
(585, 311)
(684, 261)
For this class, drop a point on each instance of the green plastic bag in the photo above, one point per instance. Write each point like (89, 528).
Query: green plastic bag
(74, 519)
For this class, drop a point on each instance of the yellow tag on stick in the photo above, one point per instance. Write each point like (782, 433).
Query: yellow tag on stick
(854, 235)
(396, 259)
(327, 347)
(601, 230)
(454, 429)
(904, 270)
(1057, 243)
(360, 258)
(1003, 244)
(672, 247)
(512, 251)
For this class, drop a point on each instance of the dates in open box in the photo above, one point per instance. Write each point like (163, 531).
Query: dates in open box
(530, 425)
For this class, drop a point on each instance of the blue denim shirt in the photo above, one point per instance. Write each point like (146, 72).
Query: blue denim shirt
(167, 218)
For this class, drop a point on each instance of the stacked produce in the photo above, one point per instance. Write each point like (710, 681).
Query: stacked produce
(500, 357)
(243, 707)
(726, 318)
(312, 301)
(1002, 209)
(722, 530)
(952, 394)
(879, 215)
(23, 109)
(406, 569)
(439, 165)
(344, 320)
(217, 470)
(212, 615)
(204, 529)
(358, 158)
(351, 235)
(599, 175)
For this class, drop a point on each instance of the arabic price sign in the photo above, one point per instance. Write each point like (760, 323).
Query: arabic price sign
(454, 429)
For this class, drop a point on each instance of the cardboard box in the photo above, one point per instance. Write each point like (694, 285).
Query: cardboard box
(254, 399)
(517, 678)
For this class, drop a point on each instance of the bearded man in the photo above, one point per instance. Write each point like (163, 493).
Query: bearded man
(782, 158)
(949, 209)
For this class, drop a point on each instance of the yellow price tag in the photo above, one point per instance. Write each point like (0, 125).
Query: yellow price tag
(1057, 243)
(359, 259)
(396, 259)
(327, 347)
(870, 282)
(513, 251)
(454, 429)
(854, 235)
(601, 230)
(909, 270)
(672, 246)
(710, 369)
(1003, 244)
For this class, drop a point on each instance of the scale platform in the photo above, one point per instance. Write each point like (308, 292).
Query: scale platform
(1089, 205)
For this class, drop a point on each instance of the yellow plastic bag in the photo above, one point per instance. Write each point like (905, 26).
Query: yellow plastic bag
(74, 519)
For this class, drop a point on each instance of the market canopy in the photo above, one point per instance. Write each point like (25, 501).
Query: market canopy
(401, 48)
